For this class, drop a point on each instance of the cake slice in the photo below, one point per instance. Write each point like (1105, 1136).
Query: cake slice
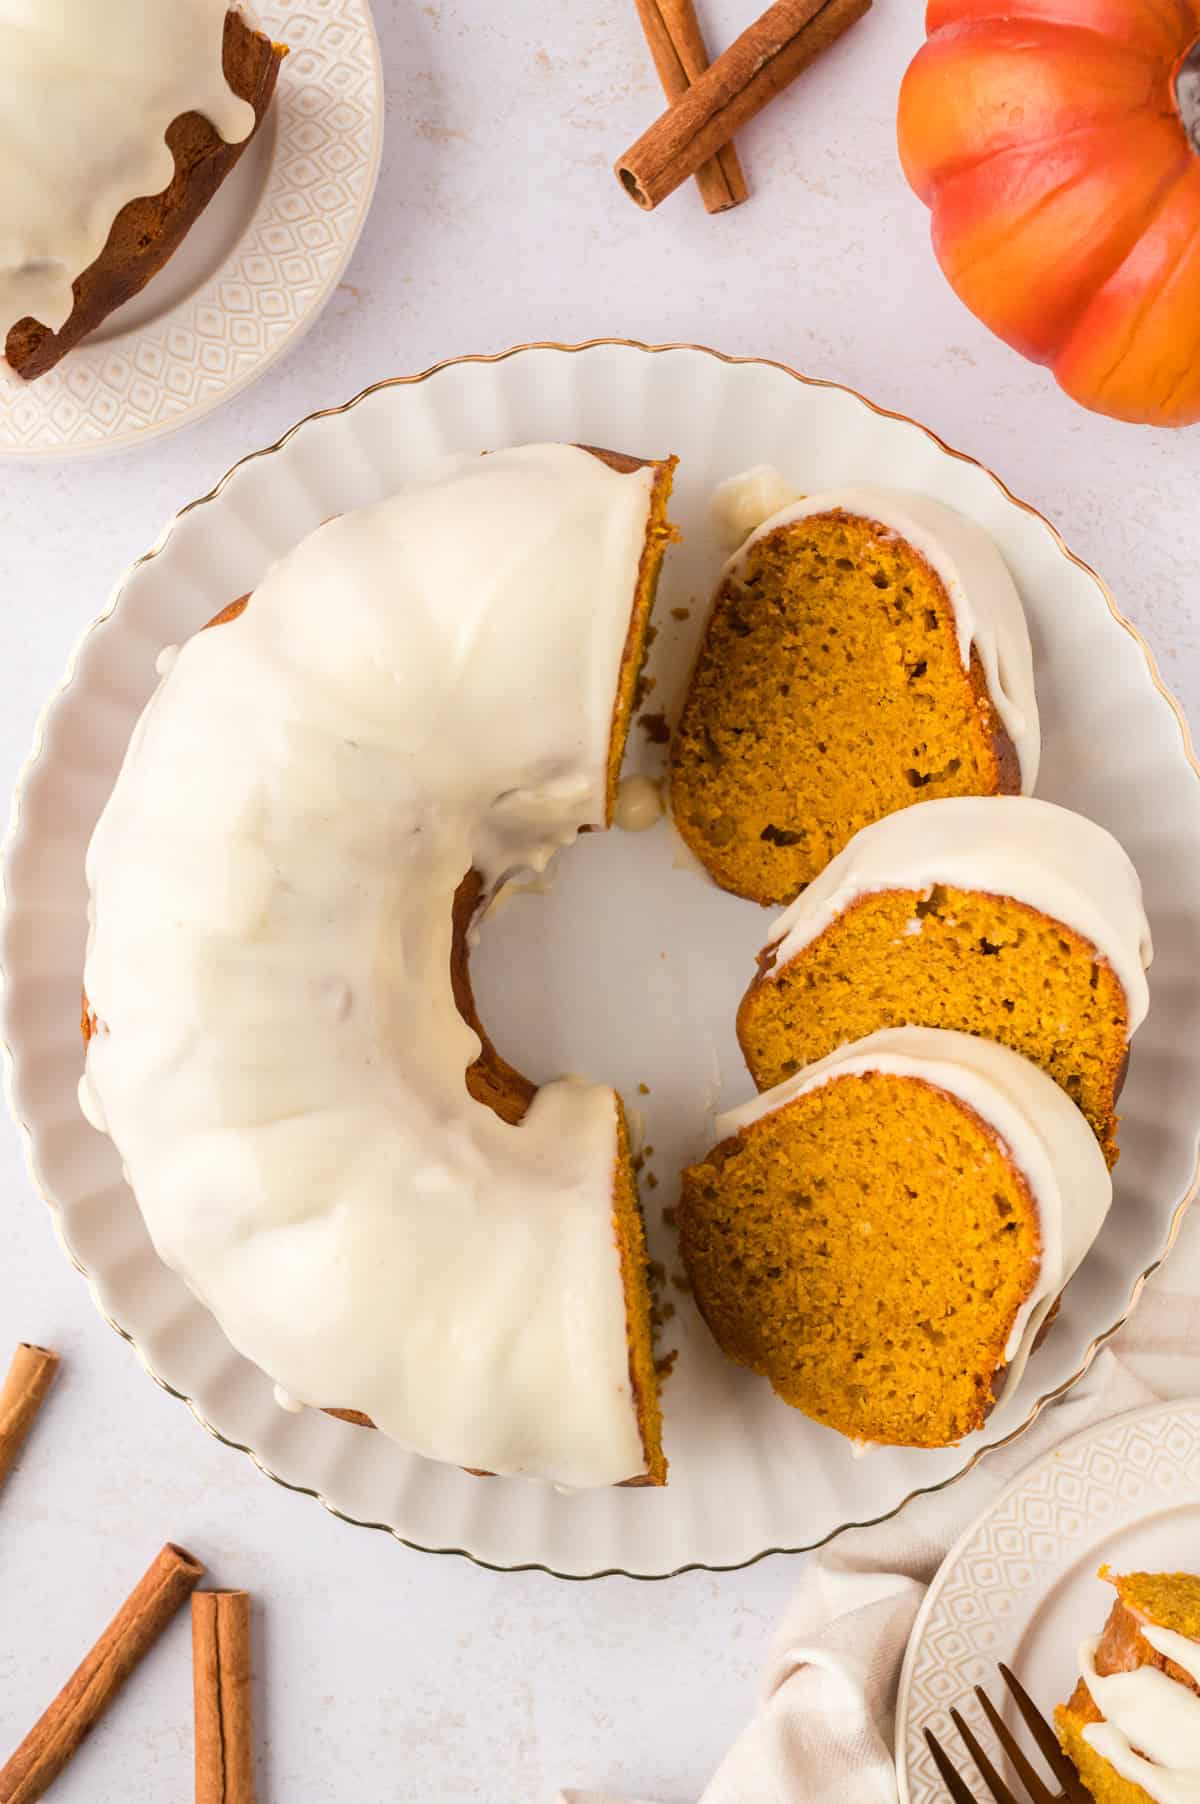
(887, 1233)
(1132, 1725)
(994, 915)
(147, 227)
(866, 650)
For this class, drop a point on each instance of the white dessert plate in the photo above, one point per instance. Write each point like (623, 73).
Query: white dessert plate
(253, 273)
(629, 970)
(1020, 1585)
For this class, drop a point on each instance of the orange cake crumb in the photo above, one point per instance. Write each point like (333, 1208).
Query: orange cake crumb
(866, 1247)
(829, 691)
(983, 964)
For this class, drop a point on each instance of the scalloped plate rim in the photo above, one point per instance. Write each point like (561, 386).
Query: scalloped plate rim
(14, 835)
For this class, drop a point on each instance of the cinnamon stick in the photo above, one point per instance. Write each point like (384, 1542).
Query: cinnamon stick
(29, 1378)
(224, 1714)
(135, 1628)
(680, 54)
(756, 67)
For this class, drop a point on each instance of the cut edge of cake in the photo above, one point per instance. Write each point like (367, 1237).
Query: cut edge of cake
(764, 790)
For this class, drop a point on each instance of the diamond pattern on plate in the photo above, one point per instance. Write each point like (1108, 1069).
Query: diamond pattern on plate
(328, 130)
(1105, 1479)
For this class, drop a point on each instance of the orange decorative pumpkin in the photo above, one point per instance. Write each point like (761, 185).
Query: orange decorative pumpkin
(1057, 143)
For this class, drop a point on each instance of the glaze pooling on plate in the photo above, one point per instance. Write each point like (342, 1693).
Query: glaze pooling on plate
(988, 613)
(421, 688)
(639, 804)
(1048, 857)
(1041, 1129)
(87, 93)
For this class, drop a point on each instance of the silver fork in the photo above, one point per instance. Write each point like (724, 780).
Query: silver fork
(1072, 1788)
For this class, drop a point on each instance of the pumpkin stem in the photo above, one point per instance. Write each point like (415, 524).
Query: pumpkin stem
(1187, 94)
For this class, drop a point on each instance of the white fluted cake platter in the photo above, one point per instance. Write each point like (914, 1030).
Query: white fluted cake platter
(629, 968)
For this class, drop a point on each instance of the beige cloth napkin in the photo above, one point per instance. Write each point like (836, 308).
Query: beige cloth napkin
(823, 1731)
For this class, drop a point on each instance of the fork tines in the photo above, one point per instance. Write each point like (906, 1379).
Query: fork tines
(1038, 1791)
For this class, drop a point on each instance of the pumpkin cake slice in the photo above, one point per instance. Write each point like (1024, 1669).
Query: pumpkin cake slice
(995, 915)
(866, 650)
(1132, 1725)
(166, 99)
(886, 1234)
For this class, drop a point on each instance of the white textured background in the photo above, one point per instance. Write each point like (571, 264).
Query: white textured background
(388, 1675)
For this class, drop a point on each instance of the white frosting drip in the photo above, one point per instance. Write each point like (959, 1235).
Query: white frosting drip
(89, 1105)
(639, 804)
(987, 609)
(742, 502)
(420, 688)
(87, 93)
(286, 1401)
(1151, 1728)
(1048, 857)
(1046, 1137)
(1173, 1646)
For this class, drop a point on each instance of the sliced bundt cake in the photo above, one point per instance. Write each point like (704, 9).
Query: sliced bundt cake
(866, 650)
(995, 915)
(1132, 1725)
(885, 1233)
(423, 697)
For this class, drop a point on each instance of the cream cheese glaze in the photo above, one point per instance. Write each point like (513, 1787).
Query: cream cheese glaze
(1044, 1133)
(1048, 857)
(639, 804)
(87, 93)
(420, 688)
(987, 609)
(1151, 1729)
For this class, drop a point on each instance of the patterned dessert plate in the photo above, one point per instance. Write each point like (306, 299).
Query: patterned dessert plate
(253, 273)
(1020, 1585)
(629, 969)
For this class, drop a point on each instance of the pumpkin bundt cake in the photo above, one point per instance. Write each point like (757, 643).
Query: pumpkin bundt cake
(1132, 1726)
(995, 915)
(886, 1233)
(423, 698)
(866, 650)
(118, 123)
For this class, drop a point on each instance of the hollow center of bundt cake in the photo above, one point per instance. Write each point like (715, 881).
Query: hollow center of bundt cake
(867, 1248)
(831, 692)
(604, 968)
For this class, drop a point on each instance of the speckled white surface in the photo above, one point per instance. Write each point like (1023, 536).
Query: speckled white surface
(385, 1674)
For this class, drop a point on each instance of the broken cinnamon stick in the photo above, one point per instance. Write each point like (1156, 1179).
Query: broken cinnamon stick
(680, 54)
(756, 67)
(29, 1378)
(224, 1712)
(135, 1628)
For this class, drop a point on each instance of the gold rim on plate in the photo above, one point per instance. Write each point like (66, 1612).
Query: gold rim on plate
(115, 596)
